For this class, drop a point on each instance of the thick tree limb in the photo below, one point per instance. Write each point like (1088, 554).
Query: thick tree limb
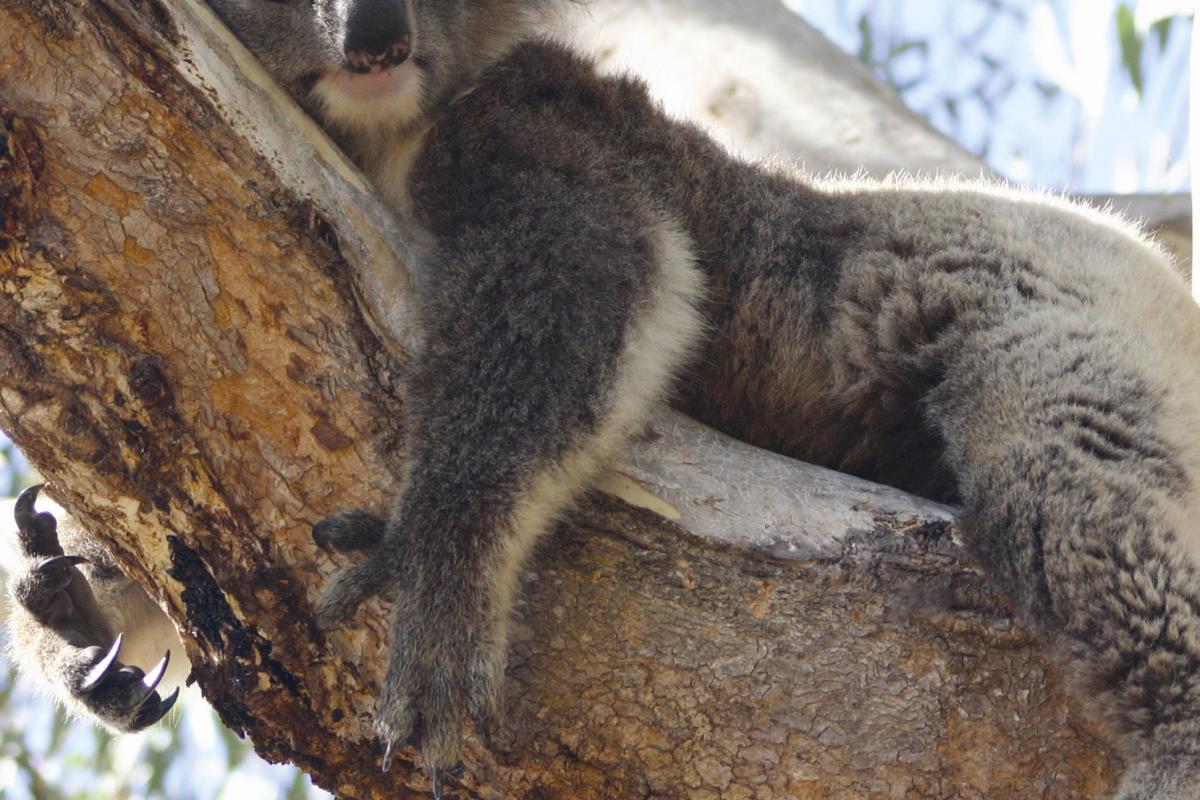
(199, 346)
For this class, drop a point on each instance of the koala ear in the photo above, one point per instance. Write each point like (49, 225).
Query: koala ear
(1171, 776)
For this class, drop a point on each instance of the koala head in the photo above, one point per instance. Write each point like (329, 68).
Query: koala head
(376, 66)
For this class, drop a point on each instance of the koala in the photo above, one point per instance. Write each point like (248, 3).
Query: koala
(72, 616)
(579, 256)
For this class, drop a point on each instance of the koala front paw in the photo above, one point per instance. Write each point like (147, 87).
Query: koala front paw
(52, 589)
(121, 695)
(64, 616)
(444, 667)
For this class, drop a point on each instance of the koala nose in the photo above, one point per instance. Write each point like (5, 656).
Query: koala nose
(377, 35)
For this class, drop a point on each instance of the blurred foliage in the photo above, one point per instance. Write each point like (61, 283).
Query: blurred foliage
(15, 471)
(890, 55)
(1133, 39)
(1036, 87)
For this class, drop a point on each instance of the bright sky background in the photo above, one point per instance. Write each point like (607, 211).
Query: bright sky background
(1097, 135)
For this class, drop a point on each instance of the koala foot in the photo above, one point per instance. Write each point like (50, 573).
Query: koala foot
(446, 665)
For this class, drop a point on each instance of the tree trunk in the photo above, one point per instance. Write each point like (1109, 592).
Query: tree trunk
(201, 327)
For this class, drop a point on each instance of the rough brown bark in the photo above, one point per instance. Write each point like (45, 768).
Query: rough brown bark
(204, 364)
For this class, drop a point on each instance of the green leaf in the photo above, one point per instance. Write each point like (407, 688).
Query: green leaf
(1131, 47)
(1047, 90)
(911, 44)
(866, 43)
(299, 788)
(1162, 29)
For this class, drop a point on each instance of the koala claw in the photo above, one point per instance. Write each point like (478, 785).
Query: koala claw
(37, 530)
(55, 573)
(132, 695)
(152, 712)
(27, 498)
(435, 777)
(435, 782)
(387, 755)
(56, 562)
(155, 675)
(435, 774)
(352, 530)
(101, 669)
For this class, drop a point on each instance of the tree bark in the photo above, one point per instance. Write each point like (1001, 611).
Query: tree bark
(201, 328)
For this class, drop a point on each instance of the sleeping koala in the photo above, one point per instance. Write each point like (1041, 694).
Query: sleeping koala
(580, 256)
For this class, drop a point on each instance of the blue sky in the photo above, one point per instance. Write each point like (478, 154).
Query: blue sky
(1094, 134)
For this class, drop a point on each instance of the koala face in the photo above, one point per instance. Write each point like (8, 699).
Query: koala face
(376, 65)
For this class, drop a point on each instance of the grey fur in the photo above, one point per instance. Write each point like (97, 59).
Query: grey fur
(580, 252)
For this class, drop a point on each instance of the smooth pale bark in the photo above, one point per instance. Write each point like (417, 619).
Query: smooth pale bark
(202, 321)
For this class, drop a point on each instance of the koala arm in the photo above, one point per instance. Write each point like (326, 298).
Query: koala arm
(551, 333)
(74, 615)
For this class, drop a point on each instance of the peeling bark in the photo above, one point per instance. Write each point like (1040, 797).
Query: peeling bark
(201, 325)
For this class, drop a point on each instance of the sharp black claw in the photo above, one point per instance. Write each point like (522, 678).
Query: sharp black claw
(155, 675)
(55, 562)
(36, 531)
(151, 714)
(96, 674)
(27, 498)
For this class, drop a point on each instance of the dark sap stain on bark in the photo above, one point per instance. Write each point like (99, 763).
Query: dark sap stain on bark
(278, 671)
(150, 386)
(210, 614)
(207, 610)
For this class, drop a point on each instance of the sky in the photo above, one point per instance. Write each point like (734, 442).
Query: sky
(1094, 134)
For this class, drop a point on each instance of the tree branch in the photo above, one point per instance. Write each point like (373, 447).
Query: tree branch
(201, 325)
